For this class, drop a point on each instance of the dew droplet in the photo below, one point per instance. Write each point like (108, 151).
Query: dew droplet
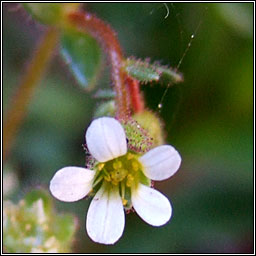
(160, 105)
(192, 36)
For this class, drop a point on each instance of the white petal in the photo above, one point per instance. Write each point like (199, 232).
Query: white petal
(152, 206)
(161, 162)
(105, 219)
(106, 139)
(70, 184)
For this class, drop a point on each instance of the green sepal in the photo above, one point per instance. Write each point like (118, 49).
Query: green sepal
(106, 94)
(107, 108)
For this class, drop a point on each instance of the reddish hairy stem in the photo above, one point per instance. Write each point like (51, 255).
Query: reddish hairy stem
(107, 38)
(135, 95)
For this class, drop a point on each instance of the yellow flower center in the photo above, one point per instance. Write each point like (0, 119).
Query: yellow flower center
(125, 171)
(122, 169)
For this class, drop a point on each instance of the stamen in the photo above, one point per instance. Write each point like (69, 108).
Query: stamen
(122, 190)
(106, 175)
(123, 172)
(124, 201)
(135, 166)
(97, 180)
(129, 156)
(129, 180)
(100, 166)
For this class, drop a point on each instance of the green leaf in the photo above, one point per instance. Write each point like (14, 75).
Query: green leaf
(145, 72)
(83, 55)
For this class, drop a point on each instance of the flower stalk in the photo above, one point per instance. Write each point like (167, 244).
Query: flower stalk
(107, 38)
(137, 102)
(25, 90)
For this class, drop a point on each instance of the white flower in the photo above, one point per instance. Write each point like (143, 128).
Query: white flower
(121, 178)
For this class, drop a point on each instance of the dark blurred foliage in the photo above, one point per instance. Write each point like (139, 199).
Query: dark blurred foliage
(208, 118)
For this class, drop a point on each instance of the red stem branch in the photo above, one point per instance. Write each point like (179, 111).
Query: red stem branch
(107, 38)
(137, 101)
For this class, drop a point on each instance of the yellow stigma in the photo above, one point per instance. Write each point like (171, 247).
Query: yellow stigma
(117, 165)
(118, 175)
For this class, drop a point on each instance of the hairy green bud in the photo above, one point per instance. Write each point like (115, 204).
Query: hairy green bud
(152, 124)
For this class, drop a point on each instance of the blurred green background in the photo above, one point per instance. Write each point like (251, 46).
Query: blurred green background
(208, 118)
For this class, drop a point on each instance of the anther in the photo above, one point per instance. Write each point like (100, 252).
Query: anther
(129, 180)
(100, 166)
(124, 201)
(130, 156)
(135, 166)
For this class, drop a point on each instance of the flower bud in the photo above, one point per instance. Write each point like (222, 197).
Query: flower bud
(152, 124)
